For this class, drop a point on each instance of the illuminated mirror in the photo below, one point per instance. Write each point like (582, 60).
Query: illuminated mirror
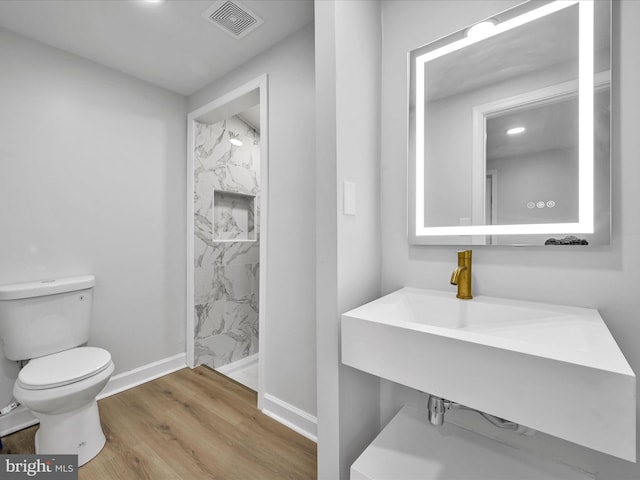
(509, 124)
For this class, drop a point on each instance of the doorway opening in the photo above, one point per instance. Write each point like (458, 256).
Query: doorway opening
(227, 235)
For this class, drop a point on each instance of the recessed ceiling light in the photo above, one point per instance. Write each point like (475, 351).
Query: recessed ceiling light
(481, 29)
(236, 142)
(515, 130)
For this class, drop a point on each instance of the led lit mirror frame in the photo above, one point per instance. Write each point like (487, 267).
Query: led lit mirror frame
(419, 233)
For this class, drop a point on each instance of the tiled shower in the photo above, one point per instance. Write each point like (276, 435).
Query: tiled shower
(226, 243)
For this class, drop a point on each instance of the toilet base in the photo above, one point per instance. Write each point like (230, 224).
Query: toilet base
(75, 433)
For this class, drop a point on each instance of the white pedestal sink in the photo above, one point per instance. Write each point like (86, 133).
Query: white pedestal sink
(553, 368)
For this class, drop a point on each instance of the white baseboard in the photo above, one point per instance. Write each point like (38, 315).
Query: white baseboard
(294, 418)
(132, 378)
(21, 417)
(16, 420)
(233, 367)
(281, 411)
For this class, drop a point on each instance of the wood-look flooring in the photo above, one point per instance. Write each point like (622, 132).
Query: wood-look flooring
(192, 425)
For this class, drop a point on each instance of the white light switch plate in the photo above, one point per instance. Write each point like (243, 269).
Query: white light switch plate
(348, 198)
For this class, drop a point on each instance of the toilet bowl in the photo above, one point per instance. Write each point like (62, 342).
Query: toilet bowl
(47, 322)
(60, 390)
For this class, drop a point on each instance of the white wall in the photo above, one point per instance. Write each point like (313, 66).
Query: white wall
(606, 278)
(290, 310)
(546, 175)
(348, 247)
(92, 180)
(326, 190)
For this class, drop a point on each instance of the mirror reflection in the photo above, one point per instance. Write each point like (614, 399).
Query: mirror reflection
(533, 151)
(508, 137)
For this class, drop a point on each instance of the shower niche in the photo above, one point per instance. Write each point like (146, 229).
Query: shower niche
(233, 216)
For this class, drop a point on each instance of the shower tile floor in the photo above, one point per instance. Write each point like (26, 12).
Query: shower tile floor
(247, 376)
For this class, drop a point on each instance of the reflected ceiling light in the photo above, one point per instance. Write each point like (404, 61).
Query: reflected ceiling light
(482, 29)
(235, 141)
(515, 130)
(153, 1)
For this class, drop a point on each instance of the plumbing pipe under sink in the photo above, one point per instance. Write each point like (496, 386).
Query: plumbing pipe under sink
(437, 406)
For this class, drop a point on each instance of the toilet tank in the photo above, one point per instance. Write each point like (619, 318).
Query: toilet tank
(44, 317)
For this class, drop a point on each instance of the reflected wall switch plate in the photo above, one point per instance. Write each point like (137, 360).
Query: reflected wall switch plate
(348, 198)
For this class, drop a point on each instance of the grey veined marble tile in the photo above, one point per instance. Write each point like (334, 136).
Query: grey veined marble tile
(226, 274)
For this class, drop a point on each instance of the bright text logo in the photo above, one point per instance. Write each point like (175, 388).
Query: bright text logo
(51, 467)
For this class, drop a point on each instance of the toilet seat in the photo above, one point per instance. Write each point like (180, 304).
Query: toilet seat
(63, 368)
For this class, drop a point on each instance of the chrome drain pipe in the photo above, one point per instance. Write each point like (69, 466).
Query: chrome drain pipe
(436, 407)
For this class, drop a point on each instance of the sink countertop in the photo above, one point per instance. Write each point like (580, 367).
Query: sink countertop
(553, 368)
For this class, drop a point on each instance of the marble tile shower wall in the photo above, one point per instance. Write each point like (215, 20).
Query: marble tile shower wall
(226, 273)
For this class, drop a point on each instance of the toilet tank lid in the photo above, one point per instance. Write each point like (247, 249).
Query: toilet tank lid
(46, 287)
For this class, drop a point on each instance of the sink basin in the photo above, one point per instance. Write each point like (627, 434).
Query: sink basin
(553, 368)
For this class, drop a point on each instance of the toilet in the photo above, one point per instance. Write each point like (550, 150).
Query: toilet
(47, 323)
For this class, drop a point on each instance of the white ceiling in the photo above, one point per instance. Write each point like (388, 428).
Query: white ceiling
(535, 46)
(168, 44)
(252, 117)
(550, 126)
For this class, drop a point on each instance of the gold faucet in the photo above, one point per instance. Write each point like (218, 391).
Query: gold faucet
(462, 275)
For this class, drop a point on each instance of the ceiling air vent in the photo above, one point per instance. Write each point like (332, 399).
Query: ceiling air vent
(232, 17)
